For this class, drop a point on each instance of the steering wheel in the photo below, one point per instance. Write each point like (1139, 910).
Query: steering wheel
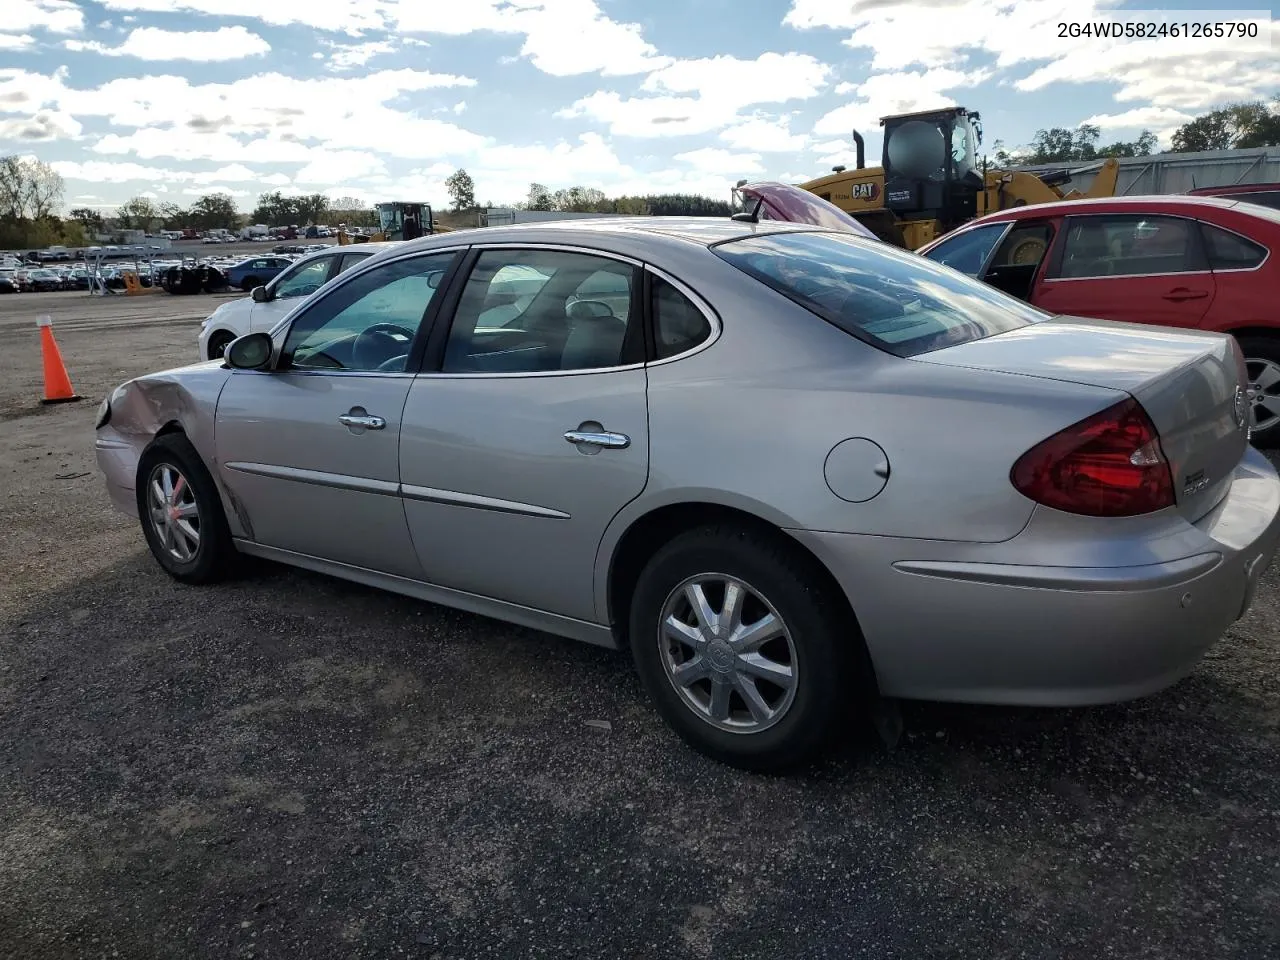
(380, 346)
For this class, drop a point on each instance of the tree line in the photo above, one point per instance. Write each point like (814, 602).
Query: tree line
(1235, 126)
(579, 199)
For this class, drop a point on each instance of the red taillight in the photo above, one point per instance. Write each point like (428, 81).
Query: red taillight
(1109, 465)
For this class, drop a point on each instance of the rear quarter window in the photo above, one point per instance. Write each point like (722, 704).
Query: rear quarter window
(895, 300)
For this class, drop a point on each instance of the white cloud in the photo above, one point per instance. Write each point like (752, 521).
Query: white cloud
(884, 94)
(150, 43)
(334, 15)
(346, 56)
(41, 126)
(1139, 118)
(340, 166)
(769, 78)
(726, 163)
(1190, 73)
(56, 16)
(16, 41)
(765, 135)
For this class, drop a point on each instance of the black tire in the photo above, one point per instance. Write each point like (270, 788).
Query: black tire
(824, 644)
(248, 283)
(1260, 350)
(218, 343)
(212, 557)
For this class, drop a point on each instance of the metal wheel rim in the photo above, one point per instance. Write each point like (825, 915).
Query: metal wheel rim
(727, 653)
(1264, 392)
(219, 347)
(175, 516)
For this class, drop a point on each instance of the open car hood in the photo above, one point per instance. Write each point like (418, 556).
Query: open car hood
(781, 201)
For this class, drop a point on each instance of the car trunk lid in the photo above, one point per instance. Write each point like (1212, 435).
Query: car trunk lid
(1191, 385)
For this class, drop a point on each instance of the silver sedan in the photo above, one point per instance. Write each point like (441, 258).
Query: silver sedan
(789, 469)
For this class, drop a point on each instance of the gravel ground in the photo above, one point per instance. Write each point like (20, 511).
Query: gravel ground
(291, 766)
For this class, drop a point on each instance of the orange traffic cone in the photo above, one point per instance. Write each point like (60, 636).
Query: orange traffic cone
(57, 385)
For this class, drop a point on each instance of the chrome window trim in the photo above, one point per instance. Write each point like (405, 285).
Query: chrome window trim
(703, 307)
(501, 375)
(1179, 273)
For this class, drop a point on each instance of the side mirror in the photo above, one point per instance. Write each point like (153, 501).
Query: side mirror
(250, 352)
(260, 295)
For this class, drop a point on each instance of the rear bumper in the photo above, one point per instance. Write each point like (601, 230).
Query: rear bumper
(991, 631)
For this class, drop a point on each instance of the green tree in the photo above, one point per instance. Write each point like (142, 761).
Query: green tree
(353, 212)
(1233, 127)
(137, 213)
(172, 216)
(539, 198)
(462, 190)
(29, 188)
(90, 220)
(213, 210)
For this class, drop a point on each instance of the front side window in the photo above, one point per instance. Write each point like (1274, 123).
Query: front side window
(305, 280)
(370, 323)
(894, 299)
(1130, 245)
(968, 251)
(525, 311)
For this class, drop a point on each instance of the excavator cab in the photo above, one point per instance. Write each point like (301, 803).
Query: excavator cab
(393, 216)
(931, 166)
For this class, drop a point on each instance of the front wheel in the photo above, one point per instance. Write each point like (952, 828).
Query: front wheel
(1262, 360)
(218, 344)
(743, 654)
(181, 513)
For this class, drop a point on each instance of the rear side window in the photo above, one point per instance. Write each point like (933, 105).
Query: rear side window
(1230, 251)
(679, 325)
(894, 299)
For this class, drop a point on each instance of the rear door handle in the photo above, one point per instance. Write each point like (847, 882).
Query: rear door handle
(611, 441)
(362, 420)
(1182, 293)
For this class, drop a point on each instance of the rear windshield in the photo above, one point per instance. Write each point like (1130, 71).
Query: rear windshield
(896, 300)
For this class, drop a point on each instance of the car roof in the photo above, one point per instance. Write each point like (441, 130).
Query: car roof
(1228, 189)
(623, 235)
(370, 248)
(1168, 203)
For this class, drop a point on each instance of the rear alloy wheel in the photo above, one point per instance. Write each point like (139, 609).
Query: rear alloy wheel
(181, 513)
(248, 283)
(218, 344)
(743, 654)
(1262, 360)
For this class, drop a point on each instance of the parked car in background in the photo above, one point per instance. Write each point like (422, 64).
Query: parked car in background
(255, 271)
(1203, 263)
(8, 284)
(43, 281)
(269, 303)
(790, 469)
(1263, 194)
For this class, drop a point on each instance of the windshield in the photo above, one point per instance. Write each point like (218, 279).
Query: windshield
(893, 299)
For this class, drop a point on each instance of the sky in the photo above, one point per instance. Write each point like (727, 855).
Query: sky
(383, 99)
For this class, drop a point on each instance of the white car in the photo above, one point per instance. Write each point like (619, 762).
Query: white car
(267, 305)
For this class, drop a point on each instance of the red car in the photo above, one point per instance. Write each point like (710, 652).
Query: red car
(1266, 194)
(1180, 261)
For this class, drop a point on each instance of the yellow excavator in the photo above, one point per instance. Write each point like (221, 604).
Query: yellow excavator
(392, 217)
(931, 180)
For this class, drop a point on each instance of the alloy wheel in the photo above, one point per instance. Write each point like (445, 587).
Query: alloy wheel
(175, 515)
(727, 653)
(1264, 392)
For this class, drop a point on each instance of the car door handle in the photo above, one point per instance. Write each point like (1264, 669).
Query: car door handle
(362, 420)
(586, 438)
(1182, 293)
